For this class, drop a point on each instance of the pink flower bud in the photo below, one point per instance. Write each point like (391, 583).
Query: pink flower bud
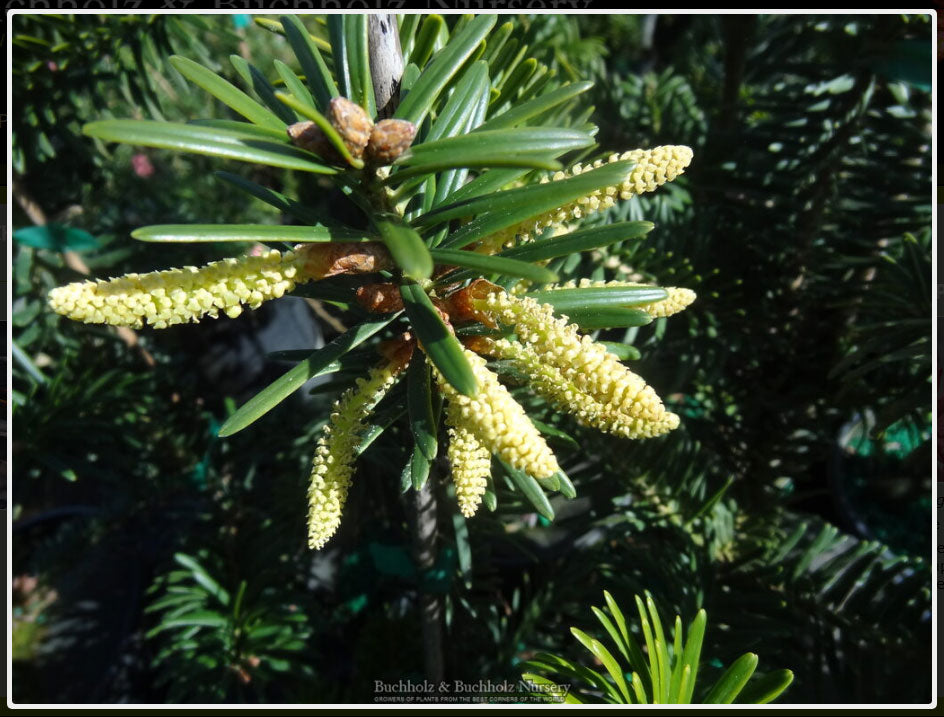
(142, 165)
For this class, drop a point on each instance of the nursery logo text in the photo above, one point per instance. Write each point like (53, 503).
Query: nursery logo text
(459, 691)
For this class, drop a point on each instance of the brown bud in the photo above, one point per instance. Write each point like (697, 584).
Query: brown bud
(352, 123)
(309, 136)
(380, 298)
(479, 344)
(459, 304)
(443, 310)
(398, 351)
(331, 259)
(389, 139)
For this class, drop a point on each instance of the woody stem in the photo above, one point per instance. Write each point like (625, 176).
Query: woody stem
(386, 68)
(430, 604)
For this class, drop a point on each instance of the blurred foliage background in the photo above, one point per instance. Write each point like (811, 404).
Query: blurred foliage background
(153, 562)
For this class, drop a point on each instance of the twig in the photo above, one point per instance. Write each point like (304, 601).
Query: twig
(386, 68)
(386, 62)
(425, 537)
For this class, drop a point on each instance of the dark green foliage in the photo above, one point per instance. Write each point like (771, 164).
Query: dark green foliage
(70, 68)
(236, 641)
(797, 352)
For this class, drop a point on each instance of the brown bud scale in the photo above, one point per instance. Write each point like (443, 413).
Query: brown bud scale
(331, 259)
(380, 298)
(459, 304)
(479, 344)
(310, 137)
(352, 123)
(389, 139)
(398, 351)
